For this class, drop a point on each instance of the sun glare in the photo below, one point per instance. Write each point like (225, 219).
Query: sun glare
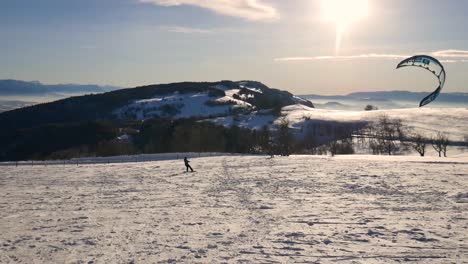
(343, 13)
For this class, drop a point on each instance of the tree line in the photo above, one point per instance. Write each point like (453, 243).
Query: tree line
(390, 136)
(385, 136)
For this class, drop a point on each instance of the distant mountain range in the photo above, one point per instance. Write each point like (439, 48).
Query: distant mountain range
(7, 105)
(19, 88)
(392, 96)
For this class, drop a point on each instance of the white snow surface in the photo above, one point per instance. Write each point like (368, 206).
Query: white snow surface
(231, 92)
(253, 89)
(236, 101)
(185, 105)
(238, 209)
(254, 120)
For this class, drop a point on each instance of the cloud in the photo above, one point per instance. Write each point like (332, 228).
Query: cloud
(201, 31)
(451, 61)
(451, 53)
(350, 57)
(246, 9)
(450, 56)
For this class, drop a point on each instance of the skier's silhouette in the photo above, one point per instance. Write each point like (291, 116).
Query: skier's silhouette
(187, 165)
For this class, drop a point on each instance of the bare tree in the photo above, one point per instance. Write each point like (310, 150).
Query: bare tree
(445, 144)
(285, 137)
(386, 135)
(370, 107)
(418, 143)
(309, 142)
(440, 143)
(332, 147)
(388, 132)
(375, 146)
(340, 146)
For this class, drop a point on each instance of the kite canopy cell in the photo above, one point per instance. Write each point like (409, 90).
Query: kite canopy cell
(431, 64)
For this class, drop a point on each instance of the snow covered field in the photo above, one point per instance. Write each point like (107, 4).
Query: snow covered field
(238, 209)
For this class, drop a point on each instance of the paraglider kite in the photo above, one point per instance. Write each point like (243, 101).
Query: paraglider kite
(431, 64)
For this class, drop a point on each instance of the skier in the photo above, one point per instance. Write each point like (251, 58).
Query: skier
(187, 165)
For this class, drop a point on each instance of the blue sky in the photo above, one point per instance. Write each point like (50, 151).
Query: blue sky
(281, 43)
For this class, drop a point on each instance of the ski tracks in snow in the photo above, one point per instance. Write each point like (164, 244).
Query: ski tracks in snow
(235, 209)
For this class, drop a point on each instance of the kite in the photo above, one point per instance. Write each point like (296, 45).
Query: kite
(431, 64)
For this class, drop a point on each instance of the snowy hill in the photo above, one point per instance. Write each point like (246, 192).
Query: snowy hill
(219, 99)
(174, 100)
(130, 120)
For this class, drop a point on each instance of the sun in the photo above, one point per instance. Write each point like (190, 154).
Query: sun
(343, 13)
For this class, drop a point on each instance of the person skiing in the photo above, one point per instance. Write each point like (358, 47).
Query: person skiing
(187, 165)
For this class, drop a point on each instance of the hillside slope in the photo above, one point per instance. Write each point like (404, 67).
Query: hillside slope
(188, 99)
